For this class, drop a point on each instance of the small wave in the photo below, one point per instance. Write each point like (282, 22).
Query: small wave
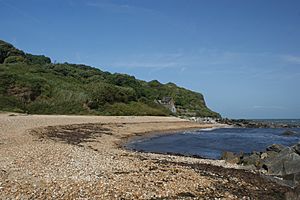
(187, 132)
(209, 129)
(221, 126)
(201, 130)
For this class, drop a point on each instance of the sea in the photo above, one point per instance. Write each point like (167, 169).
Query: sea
(211, 143)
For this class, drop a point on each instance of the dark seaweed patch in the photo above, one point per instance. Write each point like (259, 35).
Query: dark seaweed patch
(75, 134)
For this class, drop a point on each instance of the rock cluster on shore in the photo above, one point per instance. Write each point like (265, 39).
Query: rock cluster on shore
(277, 160)
(244, 123)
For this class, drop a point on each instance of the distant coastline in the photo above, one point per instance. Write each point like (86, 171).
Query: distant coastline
(261, 123)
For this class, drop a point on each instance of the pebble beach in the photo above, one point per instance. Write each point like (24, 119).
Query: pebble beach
(81, 157)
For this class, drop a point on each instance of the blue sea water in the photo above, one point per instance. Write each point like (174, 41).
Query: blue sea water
(211, 143)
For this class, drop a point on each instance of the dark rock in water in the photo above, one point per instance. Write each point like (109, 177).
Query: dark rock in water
(275, 147)
(289, 133)
(244, 123)
(230, 157)
(297, 148)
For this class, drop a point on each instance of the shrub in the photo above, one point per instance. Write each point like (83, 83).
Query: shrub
(38, 59)
(14, 59)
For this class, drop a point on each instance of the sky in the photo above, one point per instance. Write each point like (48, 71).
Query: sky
(242, 55)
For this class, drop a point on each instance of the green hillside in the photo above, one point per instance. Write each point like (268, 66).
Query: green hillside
(32, 84)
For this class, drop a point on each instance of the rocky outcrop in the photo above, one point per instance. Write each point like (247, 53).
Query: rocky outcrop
(286, 162)
(245, 123)
(277, 160)
(253, 159)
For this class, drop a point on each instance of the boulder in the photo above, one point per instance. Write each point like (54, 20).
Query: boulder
(289, 133)
(230, 157)
(253, 159)
(292, 179)
(275, 147)
(264, 156)
(268, 155)
(292, 164)
(284, 163)
(296, 148)
(294, 194)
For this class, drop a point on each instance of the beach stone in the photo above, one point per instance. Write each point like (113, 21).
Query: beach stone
(275, 147)
(230, 157)
(264, 155)
(186, 194)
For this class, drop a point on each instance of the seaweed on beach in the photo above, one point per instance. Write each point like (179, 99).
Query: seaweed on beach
(238, 182)
(75, 134)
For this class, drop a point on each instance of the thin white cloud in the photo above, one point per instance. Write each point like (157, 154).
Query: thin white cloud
(20, 12)
(269, 107)
(183, 69)
(291, 59)
(118, 7)
(78, 56)
(159, 56)
(156, 60)
(144, 64)
(205, 61)
(71, 2)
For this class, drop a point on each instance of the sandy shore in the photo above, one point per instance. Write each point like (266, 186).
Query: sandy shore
(79, 157)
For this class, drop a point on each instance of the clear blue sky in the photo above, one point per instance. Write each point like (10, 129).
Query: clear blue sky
(243, 55)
